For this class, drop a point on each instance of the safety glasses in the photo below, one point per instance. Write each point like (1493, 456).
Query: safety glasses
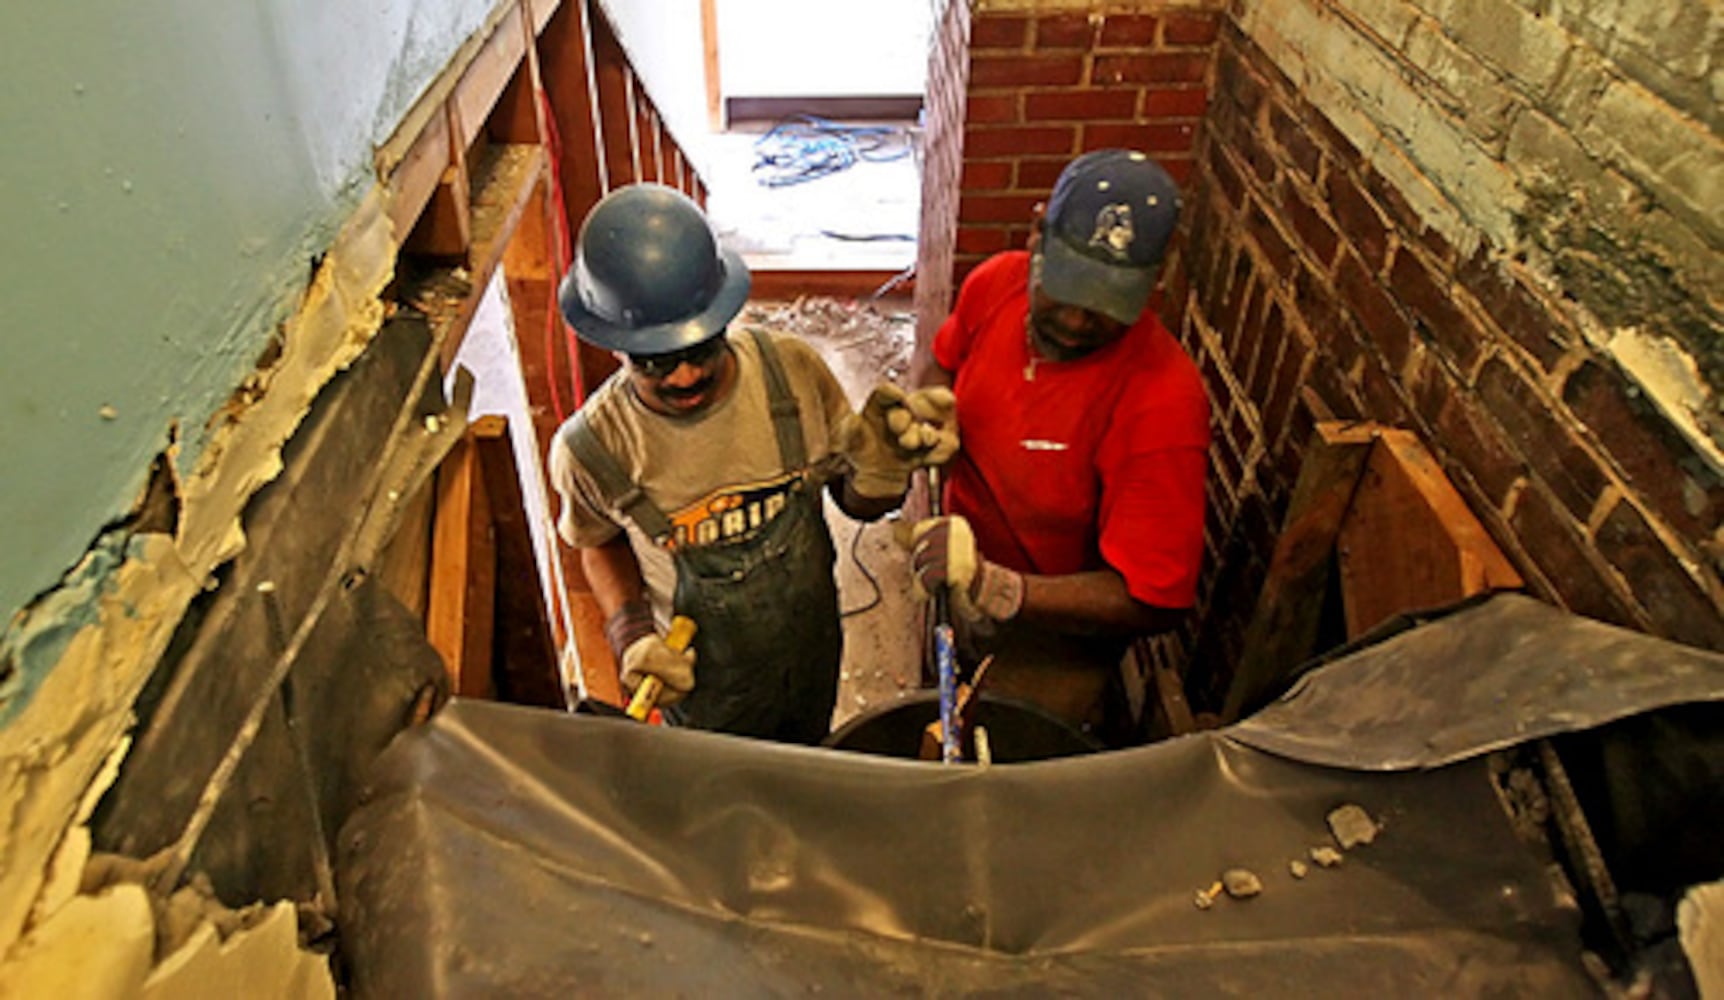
(659, 365)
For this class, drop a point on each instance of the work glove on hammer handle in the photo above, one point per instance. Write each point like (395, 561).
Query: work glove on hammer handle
(943, 553)
(896, 433)
(641, 653)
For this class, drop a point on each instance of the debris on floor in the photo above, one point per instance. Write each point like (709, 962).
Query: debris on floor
(1352, 826)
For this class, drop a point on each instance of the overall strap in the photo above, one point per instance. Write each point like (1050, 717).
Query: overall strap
(617, 488)
(786, 417)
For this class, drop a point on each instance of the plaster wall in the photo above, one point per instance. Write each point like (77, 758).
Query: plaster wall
(172, 172)
(180, 181)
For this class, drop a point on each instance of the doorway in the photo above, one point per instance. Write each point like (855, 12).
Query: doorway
(813, 150)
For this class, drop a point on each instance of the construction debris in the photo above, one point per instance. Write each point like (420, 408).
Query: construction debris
(1241, 883)
(1352, 826)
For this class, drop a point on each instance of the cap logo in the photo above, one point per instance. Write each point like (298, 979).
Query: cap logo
(1113, 230)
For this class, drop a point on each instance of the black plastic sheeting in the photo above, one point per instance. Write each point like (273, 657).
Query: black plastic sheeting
(1497, 673)
(508, 851)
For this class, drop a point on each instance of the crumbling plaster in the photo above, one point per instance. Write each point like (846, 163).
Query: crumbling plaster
(1569, 134)
(188, 194)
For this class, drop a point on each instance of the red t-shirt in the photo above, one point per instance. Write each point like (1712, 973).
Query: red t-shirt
(1081, 464)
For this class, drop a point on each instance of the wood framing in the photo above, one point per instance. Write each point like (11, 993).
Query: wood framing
(1375, 523)
(1409, 540)
(463, 572)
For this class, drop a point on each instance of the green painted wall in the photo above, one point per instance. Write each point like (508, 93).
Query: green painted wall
(170, 170)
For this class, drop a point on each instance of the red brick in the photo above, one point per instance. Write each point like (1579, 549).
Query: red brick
(1313, 230)
(989, 31)
(1190, 29)
(1188, 102)
(1301, 152)
(1374, 311)
(991, 175)
(1079, 104)
(1129, 29)
(1161, 67)
(1430, 299)
(1180, 168)
(1325, 379)
(1360, 222)
(1394, 204)
(1464, 432)
(1064, 31)
(1289, 374)
(1044, 139)
(1269, 240)
(1025, 71)
(1677, 484)
(1227, 178)
(1262, 364)
(991, 109)
(1147, 138)
(1243, 87)
(1677, 606)
(1554, 543)
(995, 208)
(1547, 443)
(1516, 310)
(1241, 338)
(1039, 175)
(1384, 400)
(979, 240)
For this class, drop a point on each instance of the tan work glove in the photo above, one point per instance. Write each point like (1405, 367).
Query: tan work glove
(896, 433)
(651, 656)
(943, 553)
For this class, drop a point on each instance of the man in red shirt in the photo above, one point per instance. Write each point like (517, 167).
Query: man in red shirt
(1076, 504)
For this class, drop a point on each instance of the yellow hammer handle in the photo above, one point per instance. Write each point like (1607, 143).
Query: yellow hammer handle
(646, 696)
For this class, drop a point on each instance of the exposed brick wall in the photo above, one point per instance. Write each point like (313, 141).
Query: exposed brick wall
(1324, 278)
(1051, 80)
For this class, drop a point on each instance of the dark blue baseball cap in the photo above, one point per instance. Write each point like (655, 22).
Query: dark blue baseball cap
(1108, 222)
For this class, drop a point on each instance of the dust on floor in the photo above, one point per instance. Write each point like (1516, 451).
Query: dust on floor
(864, 342)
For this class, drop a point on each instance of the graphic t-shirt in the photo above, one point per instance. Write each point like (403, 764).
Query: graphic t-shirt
(717, 475)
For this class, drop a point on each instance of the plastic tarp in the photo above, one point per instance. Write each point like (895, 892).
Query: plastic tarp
(508, 851)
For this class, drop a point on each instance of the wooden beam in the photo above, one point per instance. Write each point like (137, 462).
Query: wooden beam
(485, 78)
(566, 63)
(714, 84)
(525, 650)
(463, 573)
(1283, 631)
(445, 229)
(615, 116)
(1409, 541)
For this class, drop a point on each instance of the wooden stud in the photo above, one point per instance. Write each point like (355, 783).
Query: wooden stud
(714, 88)
(566, 63)
(615, 116)
(463, 573)
(525, 644)
(1409, 541)
(1283, 631)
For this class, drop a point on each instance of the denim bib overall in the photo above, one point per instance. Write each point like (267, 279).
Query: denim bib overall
(769, 641)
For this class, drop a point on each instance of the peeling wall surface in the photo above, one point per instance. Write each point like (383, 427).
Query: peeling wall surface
(195, 244)
(1582, 135)
(171, 172)
(1495, 223)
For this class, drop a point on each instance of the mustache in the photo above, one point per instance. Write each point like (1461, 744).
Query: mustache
(686, 392)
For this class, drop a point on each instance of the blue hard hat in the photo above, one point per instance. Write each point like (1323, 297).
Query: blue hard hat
(649, 276)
